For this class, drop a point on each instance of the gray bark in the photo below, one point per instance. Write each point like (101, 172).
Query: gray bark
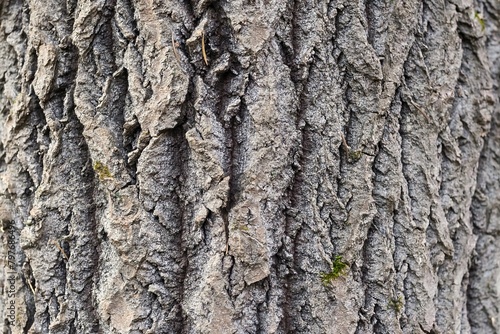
(201, 166)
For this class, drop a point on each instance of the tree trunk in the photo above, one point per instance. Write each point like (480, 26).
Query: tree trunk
(250, 166)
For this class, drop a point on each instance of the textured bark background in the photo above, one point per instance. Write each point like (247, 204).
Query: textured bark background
(153, 192)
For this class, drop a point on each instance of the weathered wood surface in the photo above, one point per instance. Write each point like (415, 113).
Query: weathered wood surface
(153, 193)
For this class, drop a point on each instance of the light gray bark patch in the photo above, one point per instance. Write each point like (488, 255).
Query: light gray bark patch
(247, 242)
(353, 41)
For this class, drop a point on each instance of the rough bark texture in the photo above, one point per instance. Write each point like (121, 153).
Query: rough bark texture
(151, 190)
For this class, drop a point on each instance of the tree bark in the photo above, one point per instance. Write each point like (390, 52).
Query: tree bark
(250, 166)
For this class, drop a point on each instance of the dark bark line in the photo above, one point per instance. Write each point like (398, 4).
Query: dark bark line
(160, 194)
